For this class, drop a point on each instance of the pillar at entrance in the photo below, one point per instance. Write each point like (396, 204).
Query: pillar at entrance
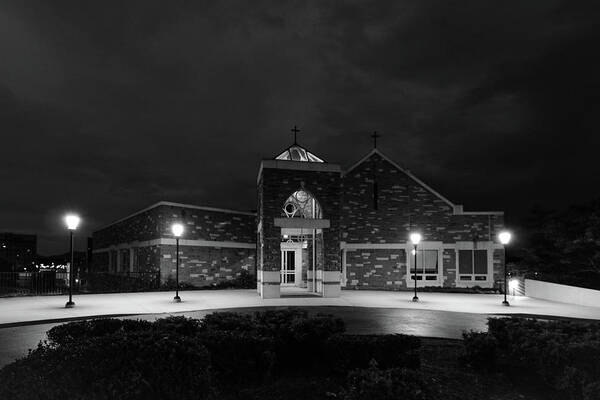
(269, 284)
(319, 182)
(328, 283)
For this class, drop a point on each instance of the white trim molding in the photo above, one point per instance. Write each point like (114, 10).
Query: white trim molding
(182, 242)
(425, 245)
(302, 223)
(373, 246)
(489, 246)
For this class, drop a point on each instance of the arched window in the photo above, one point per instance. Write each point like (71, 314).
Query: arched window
(302, 204)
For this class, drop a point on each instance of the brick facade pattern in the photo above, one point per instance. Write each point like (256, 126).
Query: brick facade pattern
(347, 201)
(403, 205)
(275, 186)
(199, 225)
(376, 269)
(199, 265)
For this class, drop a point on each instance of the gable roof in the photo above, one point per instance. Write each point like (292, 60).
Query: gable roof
(457, 209)
(405, 171)
(169, 203)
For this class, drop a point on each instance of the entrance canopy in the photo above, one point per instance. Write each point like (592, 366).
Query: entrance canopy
(302, 223)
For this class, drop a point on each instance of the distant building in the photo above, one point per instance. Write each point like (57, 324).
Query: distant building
(17, 251)
(317, 229)
(61, 261)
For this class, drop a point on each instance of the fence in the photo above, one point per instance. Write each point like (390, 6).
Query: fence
(33, 283)
(57, 282)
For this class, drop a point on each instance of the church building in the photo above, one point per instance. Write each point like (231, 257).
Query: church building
(317, 229)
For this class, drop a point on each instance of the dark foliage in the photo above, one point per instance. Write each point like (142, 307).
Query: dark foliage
(104, 282)
(118, 365)
(564, 246)
(244, 280)
(348, 352)
(223, 355)
(474, 289)
(386, 384)
(65, 334)
(481, 350)
(564, 355)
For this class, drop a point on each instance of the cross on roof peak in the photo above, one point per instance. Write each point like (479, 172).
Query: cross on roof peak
(295, 130)
(375, 135)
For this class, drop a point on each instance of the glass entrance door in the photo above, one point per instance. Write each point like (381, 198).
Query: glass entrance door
(288, 267)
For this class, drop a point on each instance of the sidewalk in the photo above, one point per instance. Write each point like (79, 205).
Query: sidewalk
(17, 310)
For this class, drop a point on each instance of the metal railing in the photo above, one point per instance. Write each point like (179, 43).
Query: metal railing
(49, 282)
(33, 283)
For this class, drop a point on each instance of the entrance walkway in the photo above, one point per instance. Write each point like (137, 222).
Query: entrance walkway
(18, 310)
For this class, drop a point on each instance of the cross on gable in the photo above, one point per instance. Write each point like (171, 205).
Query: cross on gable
(375, 135)
(295, 130)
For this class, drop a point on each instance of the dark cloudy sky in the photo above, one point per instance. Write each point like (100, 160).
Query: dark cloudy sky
(107, 107)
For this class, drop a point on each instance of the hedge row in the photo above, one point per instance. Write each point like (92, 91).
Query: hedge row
(184, 358)
(563, 355)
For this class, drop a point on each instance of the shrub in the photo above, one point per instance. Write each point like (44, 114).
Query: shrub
(270, 342)
(244, 280)
(75, 331)
(104, 282)
(347, 352)
(392, 384)
(561, 354)
(228, 322)
(240, 358)
(181, 357)
(124, 365)
(288, 324)
(481, 350)
(178, 325)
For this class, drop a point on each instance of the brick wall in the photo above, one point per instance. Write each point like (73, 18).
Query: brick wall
(201, 266)
(275, 187)
(376, 269)
(403, 205)
(199, 225)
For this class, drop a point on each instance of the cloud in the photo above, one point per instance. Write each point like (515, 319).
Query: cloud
(107, 107)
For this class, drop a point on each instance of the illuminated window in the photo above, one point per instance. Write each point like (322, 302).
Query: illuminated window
(427, 265)
(298, 153)
(472, 265)
(302, 204)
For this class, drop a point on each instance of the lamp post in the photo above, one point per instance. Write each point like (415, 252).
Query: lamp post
(177, 232)
(415, 238)
(72, 222)
(504, 238)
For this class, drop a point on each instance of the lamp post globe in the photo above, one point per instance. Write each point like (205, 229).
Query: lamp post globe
(505, 237)
(177, 230)
(72, 221)
(415, 239)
